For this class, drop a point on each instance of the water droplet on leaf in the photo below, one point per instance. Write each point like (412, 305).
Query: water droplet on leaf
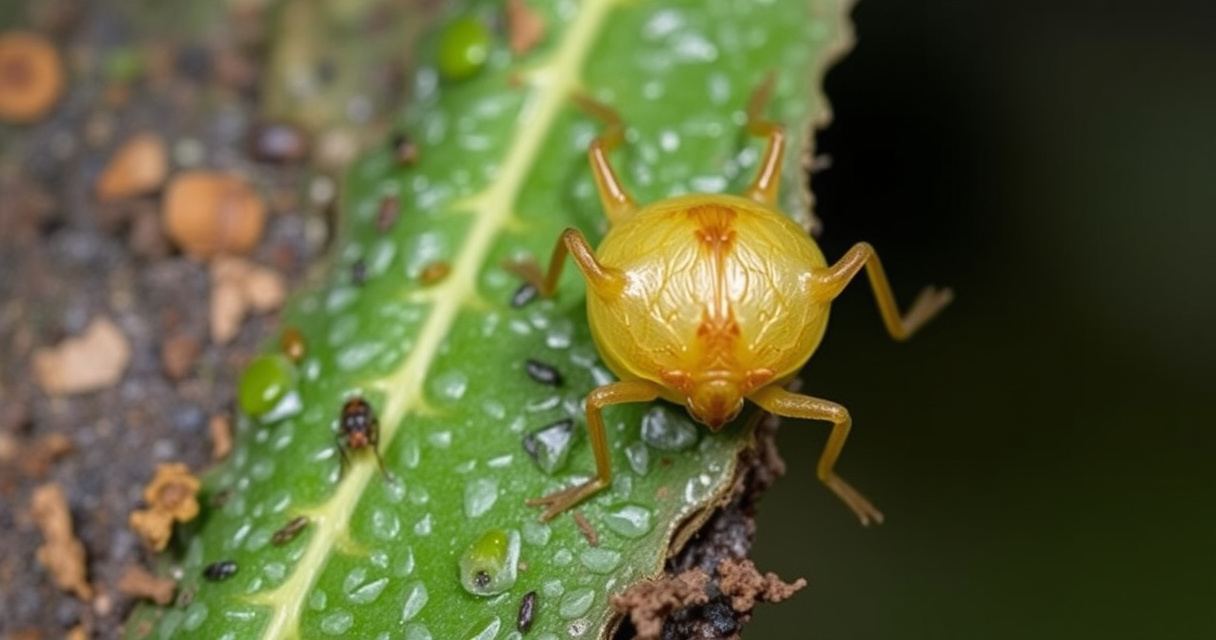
(265, 381)
(550, 446)
(665, 430)
(628, 520)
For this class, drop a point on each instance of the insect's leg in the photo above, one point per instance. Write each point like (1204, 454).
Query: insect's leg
(778, 401)
(603, 280)
(615, 393)
(618, 204)
(374, 440)
(342, 461)
(827, 283)
(764, 186)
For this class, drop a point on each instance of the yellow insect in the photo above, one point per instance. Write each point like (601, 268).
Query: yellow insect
(707, 299)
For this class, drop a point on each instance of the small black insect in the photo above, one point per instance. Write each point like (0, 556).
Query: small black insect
(527, 611)
(359, 429)
(543, 373)
(358, 272)
(221, 570)
(289, 531)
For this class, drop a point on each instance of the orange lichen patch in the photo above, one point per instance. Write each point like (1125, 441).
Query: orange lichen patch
(239, 286)
(94, 360)
(740, 580)
(649, 602)
(525, 28)
(31, 77)
(221, 437)
(62, 554)
(138, 167)
(171, 497)
(139, 583)
(209, 214)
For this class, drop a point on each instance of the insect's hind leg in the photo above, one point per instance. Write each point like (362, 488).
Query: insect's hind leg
(618, 204)
(764, 186)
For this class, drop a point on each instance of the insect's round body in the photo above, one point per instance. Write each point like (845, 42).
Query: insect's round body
(358, 427)
(715, 302)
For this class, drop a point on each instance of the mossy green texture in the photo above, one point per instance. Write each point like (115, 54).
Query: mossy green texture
(501, 171)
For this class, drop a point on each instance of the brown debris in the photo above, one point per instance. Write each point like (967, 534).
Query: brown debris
(585, 527)
(31, 77)
(649, 602)
(740, 580)
(37, 459)
(62, 554)
(177, 354)
(138, 583)
(238, 286)
(171, 496)
(221, 437)
(209, 213)
(96, 359)
(138, 167)
(525, 28)
(434, 272)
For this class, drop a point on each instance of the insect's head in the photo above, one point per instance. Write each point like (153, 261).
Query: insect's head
(714, 398)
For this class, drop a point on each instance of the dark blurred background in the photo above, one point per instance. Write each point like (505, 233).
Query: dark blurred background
(1045, 451)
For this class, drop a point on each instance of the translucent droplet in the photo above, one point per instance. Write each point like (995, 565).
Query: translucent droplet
(638, 456)
(353, 579)
(440, 439)
(554, 589)
(415, 598)
(600, 560)
(480, 494)
(550, 446)
(274, 571)
(629, 520)
(536, 533)
(264, 383)
(417, 631)
(337, 623)
(665, 430)
(488, 566)
(424, 526)
(405, 562)
(196, 614)
(379, 558)
(317, 600)
(576, 602)
(368, 592)
(385, 524)
(450, 385)
(563, 557)
(484, 629)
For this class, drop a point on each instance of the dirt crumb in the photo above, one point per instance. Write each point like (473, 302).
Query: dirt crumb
(94, 360)
(745, 586)
(648, 603)
(137, 582)
(171, 496)
(177, 355)
(221, 437)
(37, 458)
(137, 167)
(78, 632)
(585, 527)
(525, 28)
(62, 554)
(239, 286)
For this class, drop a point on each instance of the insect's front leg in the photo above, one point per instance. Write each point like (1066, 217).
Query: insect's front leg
(827, 283)
(616, 393)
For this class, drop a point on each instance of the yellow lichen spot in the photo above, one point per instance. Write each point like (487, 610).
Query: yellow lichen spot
(172, 496)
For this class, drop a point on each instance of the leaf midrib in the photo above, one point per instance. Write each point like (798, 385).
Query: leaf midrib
(550, 83)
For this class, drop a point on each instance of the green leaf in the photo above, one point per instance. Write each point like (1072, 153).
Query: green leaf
(501, 171)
